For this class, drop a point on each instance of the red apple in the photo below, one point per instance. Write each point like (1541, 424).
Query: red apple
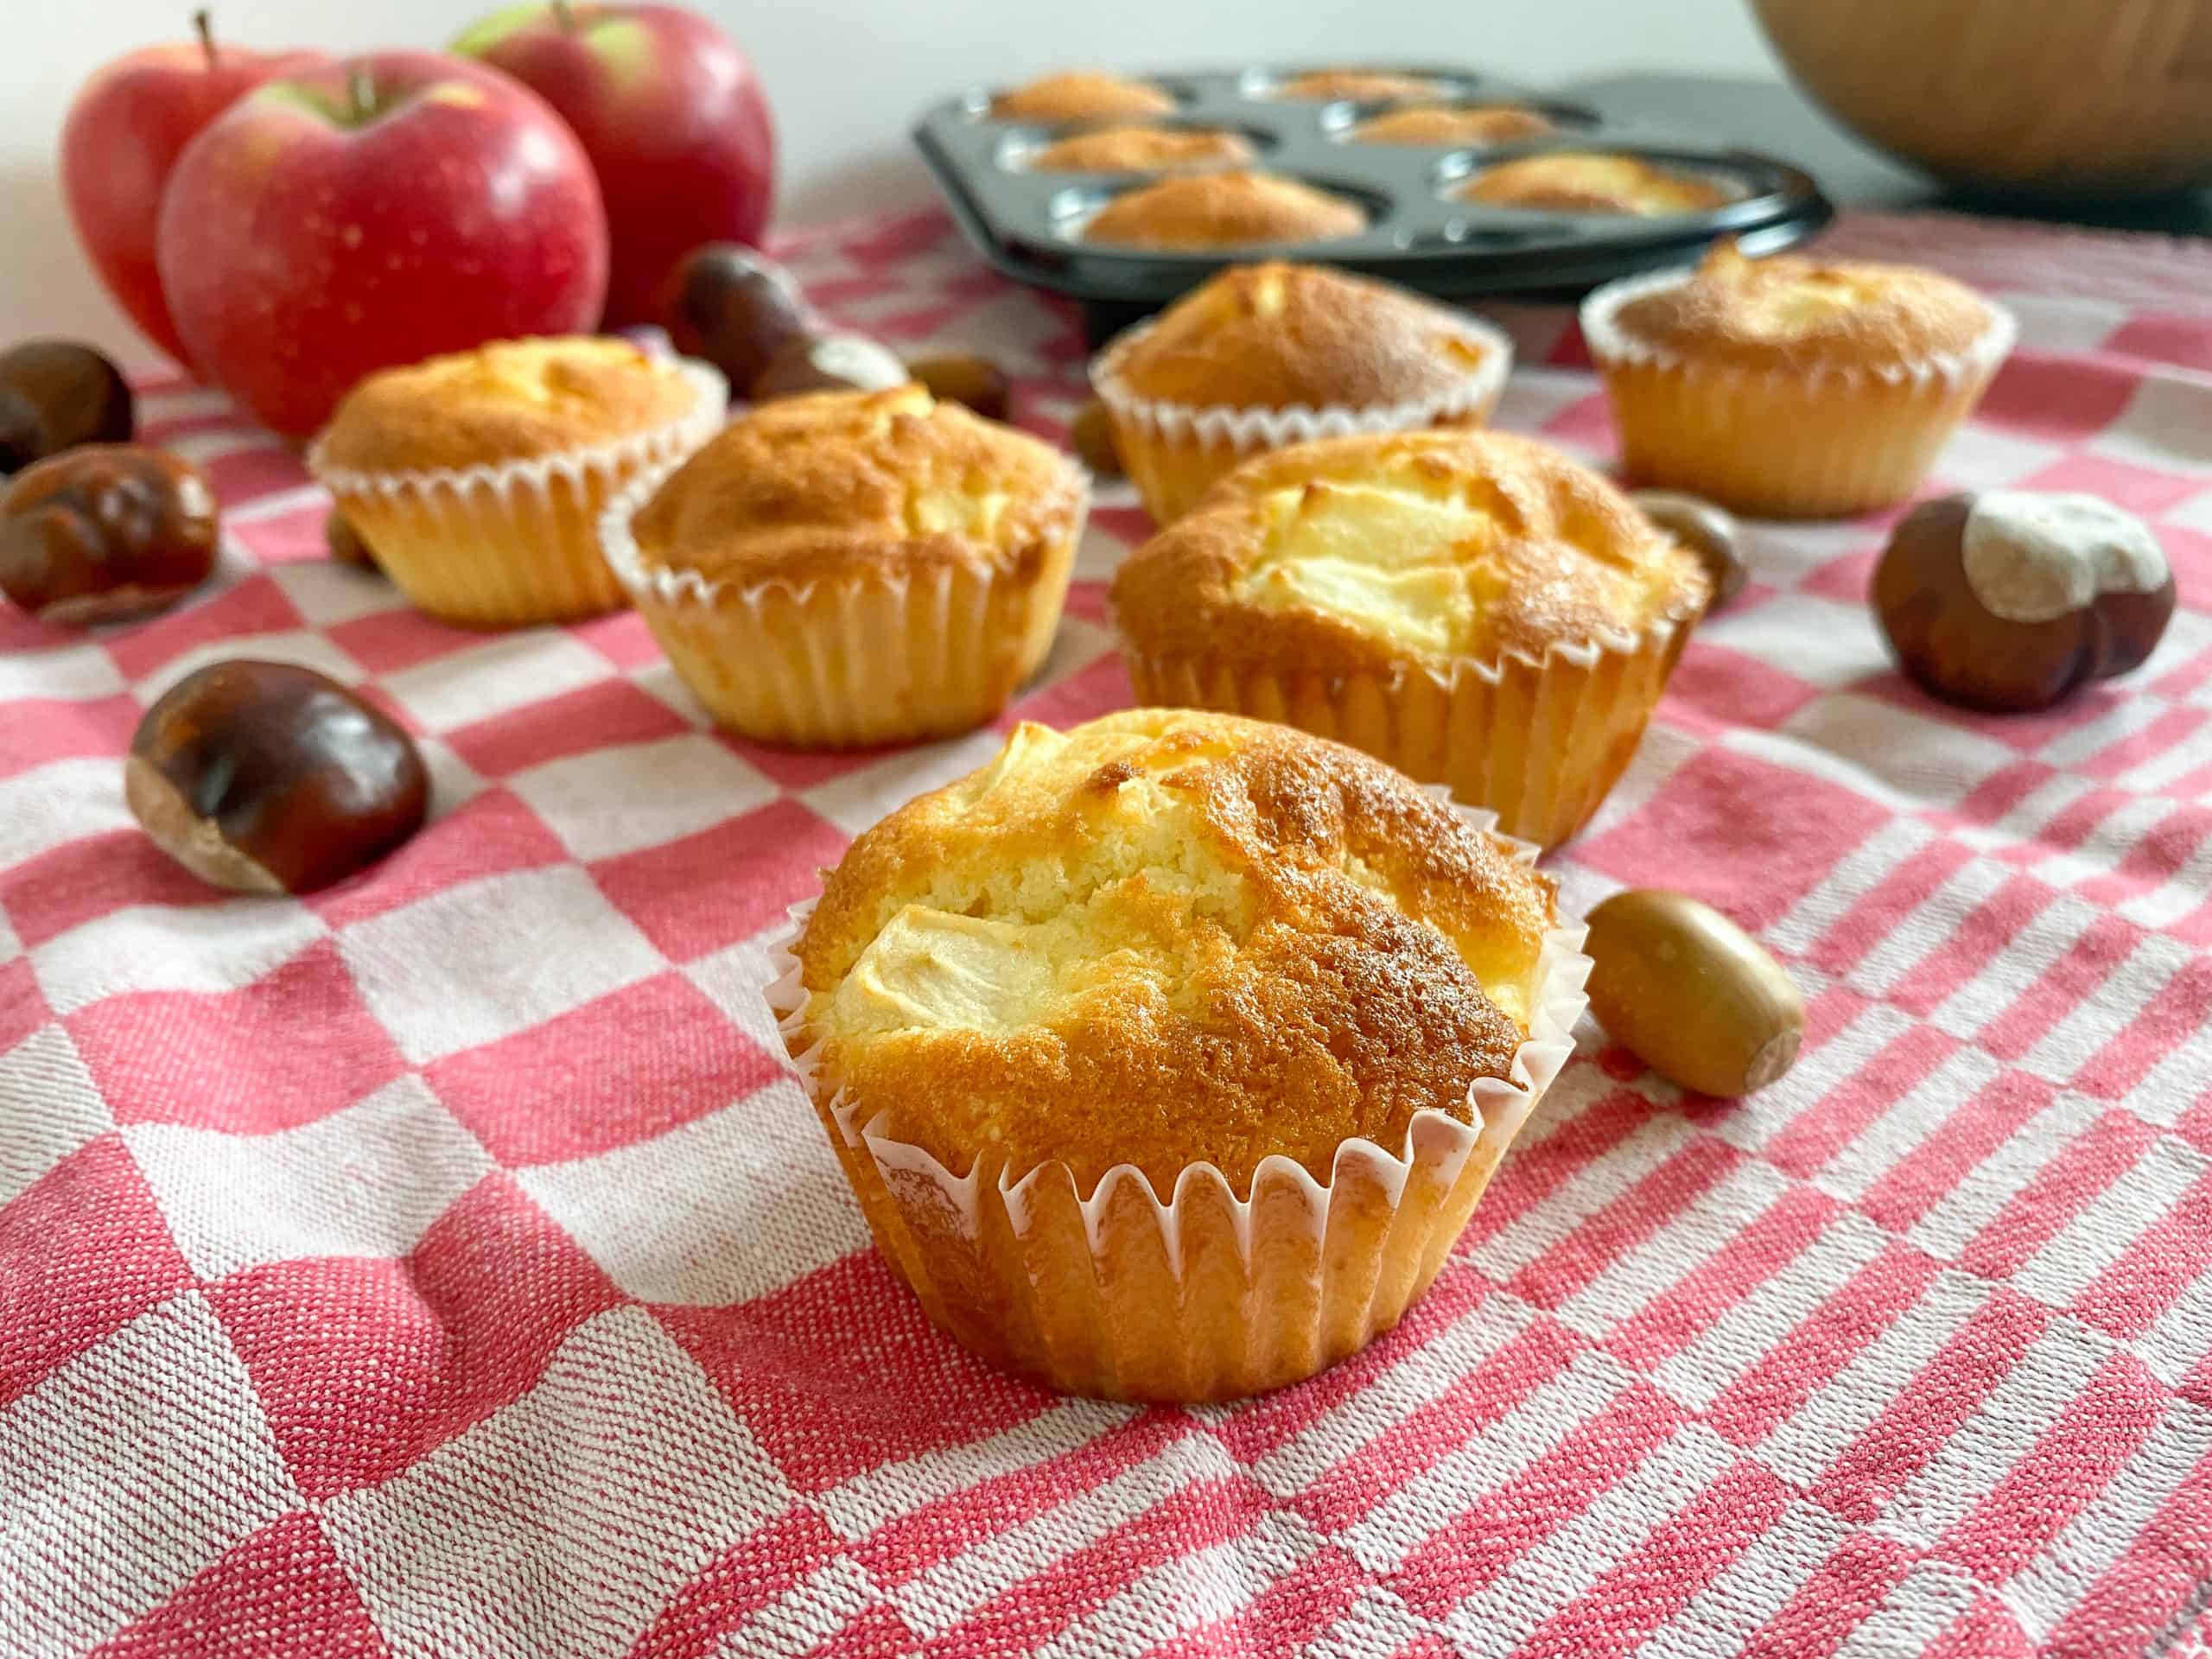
(371, 212)
(124, 133)
(670, 113)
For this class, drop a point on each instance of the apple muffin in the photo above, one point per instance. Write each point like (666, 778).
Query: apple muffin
(477, 477)
(1486, 124)
(1584, 182)
(1261, 356)
(1141, 149)
(1205, 211)
(1081, 95)
(1168, 1055)
(1788, 387)
(1477, 609)
(1358, 85)
(853, 568)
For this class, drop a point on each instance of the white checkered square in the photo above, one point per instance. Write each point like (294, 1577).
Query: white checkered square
(610, 801)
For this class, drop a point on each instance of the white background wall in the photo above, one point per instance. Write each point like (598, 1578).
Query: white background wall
(845, 78)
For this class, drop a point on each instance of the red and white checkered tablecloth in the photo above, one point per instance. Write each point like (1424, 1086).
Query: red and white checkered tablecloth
(448, 1264)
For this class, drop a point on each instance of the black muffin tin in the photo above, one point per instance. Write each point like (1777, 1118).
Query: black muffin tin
(1029, 224)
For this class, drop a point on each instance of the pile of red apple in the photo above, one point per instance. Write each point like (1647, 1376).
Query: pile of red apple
(284, 224)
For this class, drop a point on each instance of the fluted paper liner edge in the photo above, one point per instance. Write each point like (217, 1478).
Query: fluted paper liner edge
(1440, 1145)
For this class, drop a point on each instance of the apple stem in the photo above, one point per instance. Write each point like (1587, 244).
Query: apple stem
(564, 17)
(203, 24)
(362, 90)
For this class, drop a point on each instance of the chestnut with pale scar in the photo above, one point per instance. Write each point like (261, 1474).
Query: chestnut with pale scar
(2009, 600)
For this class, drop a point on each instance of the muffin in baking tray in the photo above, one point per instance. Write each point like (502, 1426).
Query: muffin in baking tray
(1476, 608)
(1140, 149)
(1589, 182)
(1359, 86)
(1168, 1055)
(1081, 95)
(1206, 211)
(853, 568)
(479, 477)
(1788, 387)
(1483, 124)
(1261, 356)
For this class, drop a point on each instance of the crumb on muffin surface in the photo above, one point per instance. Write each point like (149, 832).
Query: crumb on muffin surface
(1166, 937)
(510, 400)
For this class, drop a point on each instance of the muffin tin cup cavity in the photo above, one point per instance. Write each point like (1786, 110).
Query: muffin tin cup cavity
(1202, 1292)
(1175, 451)
(1341, 122)
(1538, 742)
(1027, 227)
(1829, 443)
(514, 542)
(846, 661)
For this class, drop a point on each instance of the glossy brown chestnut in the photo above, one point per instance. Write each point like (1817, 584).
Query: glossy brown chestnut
(56, 394)
(734, 308)
(829, 363)
(977, 383)
(2009, 600)
(345, 542)
(268, 777)
(1710, 533)
(1090, 435)
(105, 531)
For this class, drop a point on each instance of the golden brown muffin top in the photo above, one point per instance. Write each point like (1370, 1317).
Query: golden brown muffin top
(1384, 550)
(1490, 124)
(1164, 936)
(1080, 95)
(1580, 182)
(1276, 335)
(1364, 85)
(1790, 314)
(512, 400)
(1224, 210)
(843, 481)
(1141, 149)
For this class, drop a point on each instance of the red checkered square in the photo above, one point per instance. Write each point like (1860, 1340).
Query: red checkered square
(489, 834)
(366, 1364)
(232, 618)
(41, 730)
(1738, 832)
(282, 1588)
(237, 1060)
(613, 712)
(580, 1083)
(723, 884)
(785, 1361)
(87, 1252)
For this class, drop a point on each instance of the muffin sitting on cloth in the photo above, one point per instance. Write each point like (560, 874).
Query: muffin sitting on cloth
(1475, 608)
(1788, 388)
(1168, 1056)
(479, 477)
(1262, 356)
(851, 568)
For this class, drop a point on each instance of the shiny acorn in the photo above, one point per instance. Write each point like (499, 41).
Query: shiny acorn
(1690, 993)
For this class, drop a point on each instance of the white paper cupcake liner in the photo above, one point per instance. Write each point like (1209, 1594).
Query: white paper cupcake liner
(1537, 740)
(512, 541)
(1205, 1292)
(1826, 442)
(840, 661)
(1162, 430)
